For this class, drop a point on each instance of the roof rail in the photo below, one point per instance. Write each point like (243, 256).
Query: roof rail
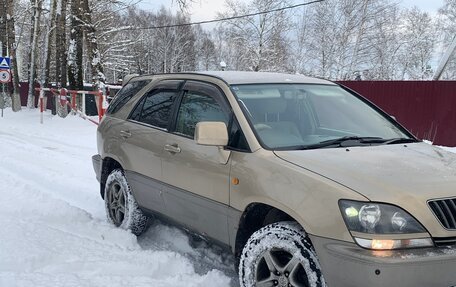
(127, 78)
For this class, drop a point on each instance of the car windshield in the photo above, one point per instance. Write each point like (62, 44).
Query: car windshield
(300, 116)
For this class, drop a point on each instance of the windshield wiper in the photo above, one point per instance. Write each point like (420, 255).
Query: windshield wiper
(339, 142)
(400, 140)
(349, 141)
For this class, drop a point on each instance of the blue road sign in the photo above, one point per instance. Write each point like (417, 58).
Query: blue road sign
(5, 63)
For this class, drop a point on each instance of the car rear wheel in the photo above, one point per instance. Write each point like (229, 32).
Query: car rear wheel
(280, 254)
(121, 207)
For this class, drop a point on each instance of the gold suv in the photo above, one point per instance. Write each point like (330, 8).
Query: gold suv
(307, 182)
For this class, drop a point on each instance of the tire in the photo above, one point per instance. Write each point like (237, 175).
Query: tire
(121, 207)
(280, 254)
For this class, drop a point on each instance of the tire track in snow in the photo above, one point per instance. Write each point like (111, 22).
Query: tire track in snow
(49, 234)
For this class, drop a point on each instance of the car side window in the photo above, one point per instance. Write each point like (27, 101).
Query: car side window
(125, 94)
(197, 107)
(155, 108)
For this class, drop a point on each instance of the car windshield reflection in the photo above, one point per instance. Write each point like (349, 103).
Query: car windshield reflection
(300, 116)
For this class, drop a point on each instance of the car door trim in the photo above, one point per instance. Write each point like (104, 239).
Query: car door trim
(212, 209)
(145, 190)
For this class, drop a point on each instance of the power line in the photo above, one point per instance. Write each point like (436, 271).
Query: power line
(223, 19)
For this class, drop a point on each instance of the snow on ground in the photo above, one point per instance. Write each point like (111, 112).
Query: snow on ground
(53, 230)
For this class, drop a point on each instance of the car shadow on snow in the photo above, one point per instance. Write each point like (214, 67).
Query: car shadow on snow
(204, 255)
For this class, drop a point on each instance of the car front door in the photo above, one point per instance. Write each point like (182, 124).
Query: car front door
(197, 182)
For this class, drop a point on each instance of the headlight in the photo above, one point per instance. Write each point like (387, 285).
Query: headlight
(371, 223)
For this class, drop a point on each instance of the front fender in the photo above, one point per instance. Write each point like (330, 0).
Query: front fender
(309, 198)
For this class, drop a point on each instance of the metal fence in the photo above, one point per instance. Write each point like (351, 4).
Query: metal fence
(426, 108)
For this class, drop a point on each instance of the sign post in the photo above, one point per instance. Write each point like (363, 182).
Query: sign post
(5, 63)
(2, 99)
(5, 78)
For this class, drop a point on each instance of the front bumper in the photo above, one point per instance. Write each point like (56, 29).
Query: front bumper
(348, 265)
(96, 161)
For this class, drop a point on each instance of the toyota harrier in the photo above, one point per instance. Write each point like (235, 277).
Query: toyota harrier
(306, 181)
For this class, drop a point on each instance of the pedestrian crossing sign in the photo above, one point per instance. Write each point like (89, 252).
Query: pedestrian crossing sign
(5, 63)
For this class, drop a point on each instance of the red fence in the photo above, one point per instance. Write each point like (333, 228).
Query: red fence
(24, 95)
(427, 109)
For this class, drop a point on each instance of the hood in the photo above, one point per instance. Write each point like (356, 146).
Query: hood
(384, 173)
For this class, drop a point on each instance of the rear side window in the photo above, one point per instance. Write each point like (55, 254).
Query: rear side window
(125, 94)
(155, 108)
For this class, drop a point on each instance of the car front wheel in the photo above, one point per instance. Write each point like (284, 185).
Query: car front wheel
(280, 254)
(121, 207)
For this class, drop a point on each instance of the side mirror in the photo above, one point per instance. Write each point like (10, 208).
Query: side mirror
(211, 134)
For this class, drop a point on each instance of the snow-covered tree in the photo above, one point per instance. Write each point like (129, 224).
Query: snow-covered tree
(75, 48)
(448, 26)
(50, 47)
(261, 41)
(93, 53)
(385, 49)
(136, 48)
(340, 37)
(69, 42)
(418, 38)
(60, 70)
(3, 35)
(34, 35)
(205, 50)
(12, 45)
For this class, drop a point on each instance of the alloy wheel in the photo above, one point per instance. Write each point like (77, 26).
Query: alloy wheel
(116, 204)
(279, 268)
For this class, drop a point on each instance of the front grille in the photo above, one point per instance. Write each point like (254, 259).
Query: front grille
(445, 211)
(444, 241)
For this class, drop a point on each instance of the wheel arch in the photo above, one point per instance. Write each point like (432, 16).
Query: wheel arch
(257, 215)
(107, 166)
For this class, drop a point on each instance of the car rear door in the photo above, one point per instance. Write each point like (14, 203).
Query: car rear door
(143, 140)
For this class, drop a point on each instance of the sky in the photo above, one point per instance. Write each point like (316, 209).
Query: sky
(207, 9)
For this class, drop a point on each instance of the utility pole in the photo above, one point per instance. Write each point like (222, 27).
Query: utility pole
(444, 62)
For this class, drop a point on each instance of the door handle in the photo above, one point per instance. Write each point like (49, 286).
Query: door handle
(174, 148)
(125, 134)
